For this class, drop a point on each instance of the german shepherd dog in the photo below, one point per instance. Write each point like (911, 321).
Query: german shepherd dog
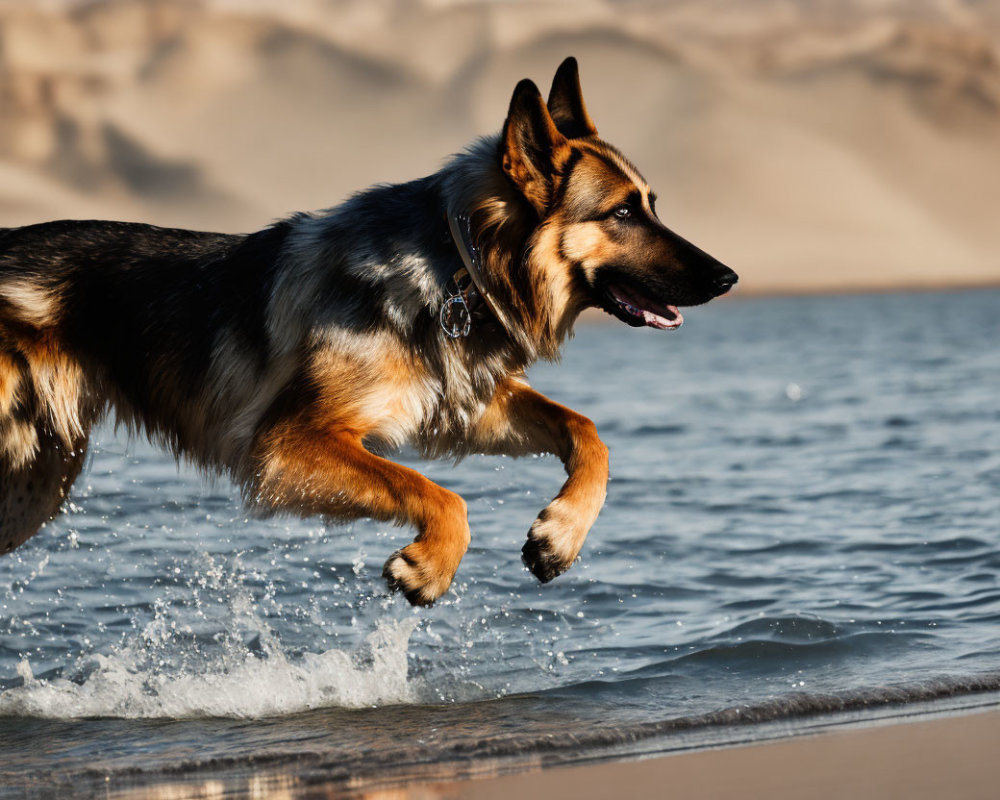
(291, 357)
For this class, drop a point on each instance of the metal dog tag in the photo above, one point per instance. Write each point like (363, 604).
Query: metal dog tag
(455, 318)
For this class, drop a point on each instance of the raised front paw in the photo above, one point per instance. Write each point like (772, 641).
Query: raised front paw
(554, 542)
(418, 574)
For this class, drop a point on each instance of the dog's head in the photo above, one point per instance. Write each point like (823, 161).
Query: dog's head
(597, 213)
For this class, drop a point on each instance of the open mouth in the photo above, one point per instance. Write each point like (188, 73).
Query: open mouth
(640, 310)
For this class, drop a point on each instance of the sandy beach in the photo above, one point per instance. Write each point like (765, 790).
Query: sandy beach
(920, 760)
(919, 755)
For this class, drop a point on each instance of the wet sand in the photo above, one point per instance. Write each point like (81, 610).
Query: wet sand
(915, 752)
(954, 757)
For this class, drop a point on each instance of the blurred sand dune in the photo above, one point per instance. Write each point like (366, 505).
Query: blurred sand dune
(811, 145)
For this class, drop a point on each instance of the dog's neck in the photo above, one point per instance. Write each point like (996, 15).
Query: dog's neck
(500, 241)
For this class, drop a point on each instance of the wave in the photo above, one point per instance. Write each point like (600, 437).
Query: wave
(243, 684)
(464, 740)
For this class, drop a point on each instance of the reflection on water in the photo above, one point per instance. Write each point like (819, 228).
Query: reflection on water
(803, 503)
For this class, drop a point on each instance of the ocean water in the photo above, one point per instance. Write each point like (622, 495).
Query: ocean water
(803, 516)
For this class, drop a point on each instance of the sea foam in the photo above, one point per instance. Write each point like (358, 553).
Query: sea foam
(248, 685)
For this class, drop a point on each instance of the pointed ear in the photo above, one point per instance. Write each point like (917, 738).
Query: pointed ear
(566, 102)
(532, 146)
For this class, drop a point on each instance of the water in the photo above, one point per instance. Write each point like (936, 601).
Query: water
(803, 516)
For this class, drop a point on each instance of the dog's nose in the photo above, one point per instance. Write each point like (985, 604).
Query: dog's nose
(725, 280)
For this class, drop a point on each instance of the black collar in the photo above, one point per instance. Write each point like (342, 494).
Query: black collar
(465, 287)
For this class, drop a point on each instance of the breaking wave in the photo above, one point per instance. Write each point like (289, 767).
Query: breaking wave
(234, 667)
(258, 685)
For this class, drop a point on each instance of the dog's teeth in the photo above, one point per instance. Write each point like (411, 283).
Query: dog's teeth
(629, 307)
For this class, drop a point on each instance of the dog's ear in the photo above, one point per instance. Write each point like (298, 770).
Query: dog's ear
(566, 102)
(533, 147)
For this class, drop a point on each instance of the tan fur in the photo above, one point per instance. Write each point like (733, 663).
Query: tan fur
(18, 442)
(587, 244)
(366, 385)
(59, 384)
(632, 176)
(521, 420)
(312, 467)
(33, 304)
(41, 388)
(10, 380)
(553, 288)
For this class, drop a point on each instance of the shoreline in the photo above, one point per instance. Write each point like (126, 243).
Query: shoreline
(923, 749)
(944, 756)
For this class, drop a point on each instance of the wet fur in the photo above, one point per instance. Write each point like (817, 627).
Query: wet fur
(289, 358)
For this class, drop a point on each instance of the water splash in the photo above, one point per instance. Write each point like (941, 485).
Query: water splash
(257, 684)
(208, 650)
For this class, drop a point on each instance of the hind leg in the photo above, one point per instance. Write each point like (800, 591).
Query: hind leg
(331, 473)
(44, 416)
(32, 493)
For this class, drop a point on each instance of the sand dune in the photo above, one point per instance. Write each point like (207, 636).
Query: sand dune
(812, 146)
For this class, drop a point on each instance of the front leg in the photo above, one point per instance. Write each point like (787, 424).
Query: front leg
(309, 471)
(520, 420)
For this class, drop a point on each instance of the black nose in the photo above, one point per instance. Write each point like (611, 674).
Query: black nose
(725, 280)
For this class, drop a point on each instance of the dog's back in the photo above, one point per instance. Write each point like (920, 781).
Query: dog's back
(92, 315)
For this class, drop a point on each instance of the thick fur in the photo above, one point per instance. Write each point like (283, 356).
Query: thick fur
(291, 357)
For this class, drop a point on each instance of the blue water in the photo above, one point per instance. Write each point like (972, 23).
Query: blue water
(805, 503)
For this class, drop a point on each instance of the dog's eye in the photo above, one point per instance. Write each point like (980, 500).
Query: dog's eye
(623, 211)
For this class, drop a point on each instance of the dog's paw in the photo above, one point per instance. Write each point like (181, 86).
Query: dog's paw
(411, 572)
(552, 546)
(543, 563)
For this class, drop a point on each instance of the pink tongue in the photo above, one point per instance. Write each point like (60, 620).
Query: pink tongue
(656, 321)
(635, 305)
